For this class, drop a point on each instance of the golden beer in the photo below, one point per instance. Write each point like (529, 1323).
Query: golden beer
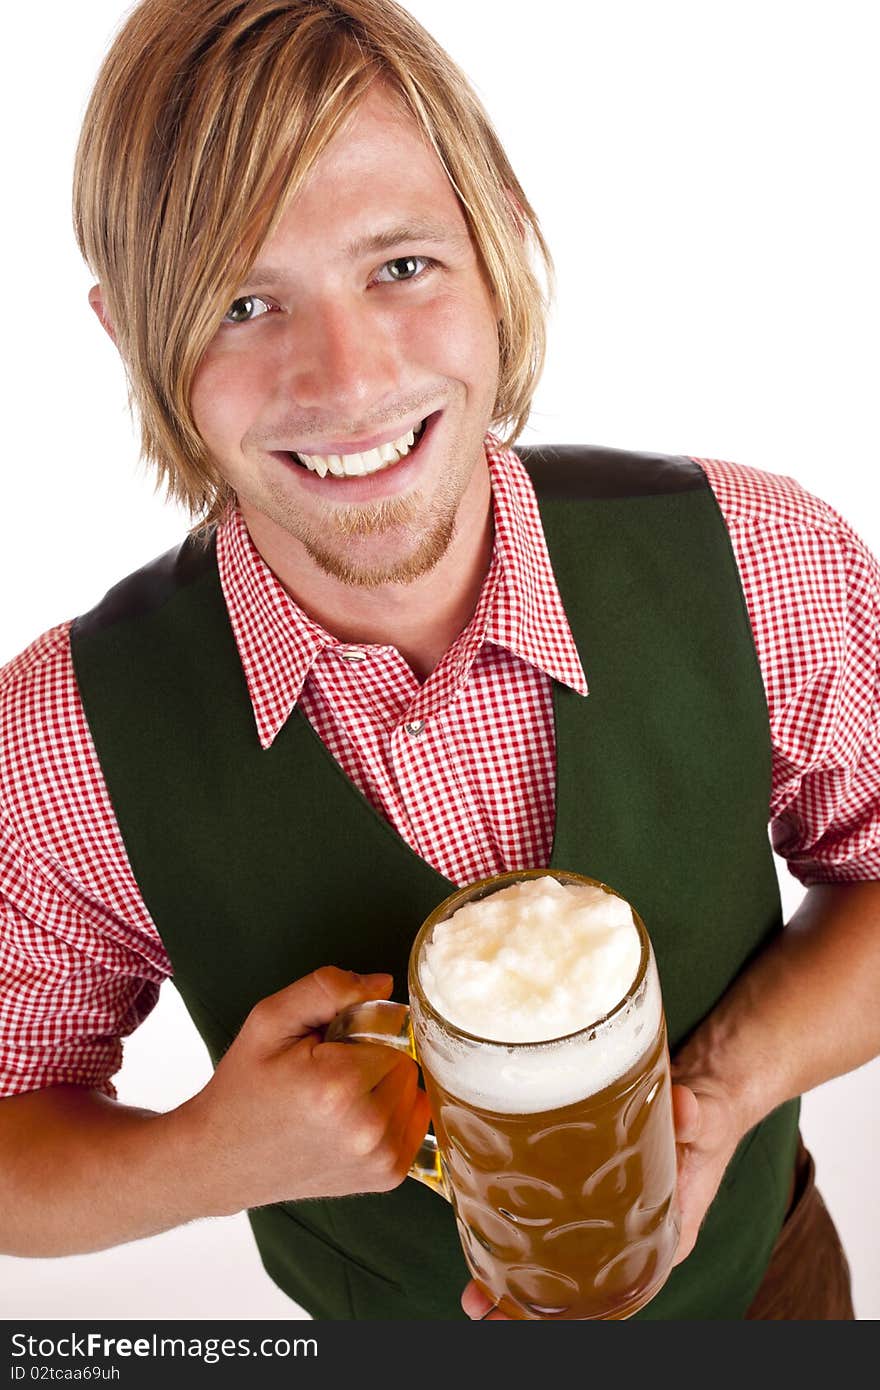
(565, 1209)
(566, 1213)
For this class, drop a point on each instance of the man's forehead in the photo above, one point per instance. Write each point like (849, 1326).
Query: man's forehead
(379, 126)
(378, 184)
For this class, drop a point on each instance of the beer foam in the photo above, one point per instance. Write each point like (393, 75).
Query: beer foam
(536, 960)
(527, 967)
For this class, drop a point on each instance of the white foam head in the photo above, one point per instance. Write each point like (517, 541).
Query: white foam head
(537, 971)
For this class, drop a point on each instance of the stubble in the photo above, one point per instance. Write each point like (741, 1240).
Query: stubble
(421, 532)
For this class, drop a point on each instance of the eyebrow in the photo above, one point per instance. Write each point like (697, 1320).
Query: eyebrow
(383, 240)
(407, 231)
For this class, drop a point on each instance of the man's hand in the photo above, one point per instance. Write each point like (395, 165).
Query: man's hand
(706, 1135)
(705, 1139)
(287, 1116)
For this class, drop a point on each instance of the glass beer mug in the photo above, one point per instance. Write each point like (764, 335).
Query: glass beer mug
(558, 1156)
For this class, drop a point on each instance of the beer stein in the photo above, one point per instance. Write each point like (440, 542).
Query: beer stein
(558, 1156)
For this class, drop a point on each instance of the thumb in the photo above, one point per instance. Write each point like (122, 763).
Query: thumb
(686, 1114)
(314, 1000)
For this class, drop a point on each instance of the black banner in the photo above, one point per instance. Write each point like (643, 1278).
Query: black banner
(291, 1353)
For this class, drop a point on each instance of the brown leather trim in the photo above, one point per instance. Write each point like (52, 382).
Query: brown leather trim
(150, 587)
(562, 472)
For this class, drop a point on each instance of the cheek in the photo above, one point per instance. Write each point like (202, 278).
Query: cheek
(225, 400)
(455, 335)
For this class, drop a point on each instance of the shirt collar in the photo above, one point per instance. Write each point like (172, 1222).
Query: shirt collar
(519, 607)
(527, 617)
(277, 643)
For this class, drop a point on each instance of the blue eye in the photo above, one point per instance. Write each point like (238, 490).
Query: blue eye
(246, 309)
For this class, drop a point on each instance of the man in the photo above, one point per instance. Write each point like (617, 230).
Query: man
(321, 312)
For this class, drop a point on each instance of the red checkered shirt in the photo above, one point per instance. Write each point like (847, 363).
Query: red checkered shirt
(463, 766)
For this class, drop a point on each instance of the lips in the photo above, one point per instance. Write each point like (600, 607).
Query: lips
(386, 481)
(360, 465)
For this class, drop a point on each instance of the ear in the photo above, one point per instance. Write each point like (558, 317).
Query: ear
(96, 299)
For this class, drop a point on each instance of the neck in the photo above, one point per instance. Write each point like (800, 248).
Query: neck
(421, 618)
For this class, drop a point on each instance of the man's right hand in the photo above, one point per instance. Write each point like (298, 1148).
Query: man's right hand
(287, 1116)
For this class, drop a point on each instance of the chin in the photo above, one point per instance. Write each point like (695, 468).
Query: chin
(367, 570)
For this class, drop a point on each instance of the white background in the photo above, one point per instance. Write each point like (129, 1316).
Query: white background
(706, 176)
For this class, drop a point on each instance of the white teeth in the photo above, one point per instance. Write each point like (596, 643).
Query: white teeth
(359, 465)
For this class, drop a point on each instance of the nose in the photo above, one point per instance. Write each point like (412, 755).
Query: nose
(339, 359)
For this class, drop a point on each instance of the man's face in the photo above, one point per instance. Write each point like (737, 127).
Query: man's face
(365, 315)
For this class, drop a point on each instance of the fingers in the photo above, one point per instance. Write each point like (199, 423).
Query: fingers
(350, 1072)
(410, 1118)
(416, 1128)
(479, 1307)
(392, 1119)
(313, 1001)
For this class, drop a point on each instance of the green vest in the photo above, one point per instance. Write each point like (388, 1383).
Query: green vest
(259, 866)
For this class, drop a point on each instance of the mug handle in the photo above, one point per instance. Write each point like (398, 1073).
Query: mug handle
(383, 1021)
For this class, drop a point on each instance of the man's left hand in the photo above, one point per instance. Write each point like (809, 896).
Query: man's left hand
(706, 1136)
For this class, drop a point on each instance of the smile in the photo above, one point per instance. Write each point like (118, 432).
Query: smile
(361, 465)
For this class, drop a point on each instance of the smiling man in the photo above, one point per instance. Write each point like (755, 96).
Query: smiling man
(259, 763)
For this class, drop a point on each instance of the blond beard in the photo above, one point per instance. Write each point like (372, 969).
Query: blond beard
(406, 514)
(394, 513)
(427, 524)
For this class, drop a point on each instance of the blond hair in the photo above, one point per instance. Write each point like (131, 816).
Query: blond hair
(206, 117)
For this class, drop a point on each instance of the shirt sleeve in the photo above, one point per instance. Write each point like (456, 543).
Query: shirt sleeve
(63, 1015)
(81, 962)
(812, 589)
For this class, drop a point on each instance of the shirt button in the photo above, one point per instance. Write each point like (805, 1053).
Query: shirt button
(352, 654)
(416, 728)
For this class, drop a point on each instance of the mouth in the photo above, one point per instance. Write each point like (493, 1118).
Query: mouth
(364, 465)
